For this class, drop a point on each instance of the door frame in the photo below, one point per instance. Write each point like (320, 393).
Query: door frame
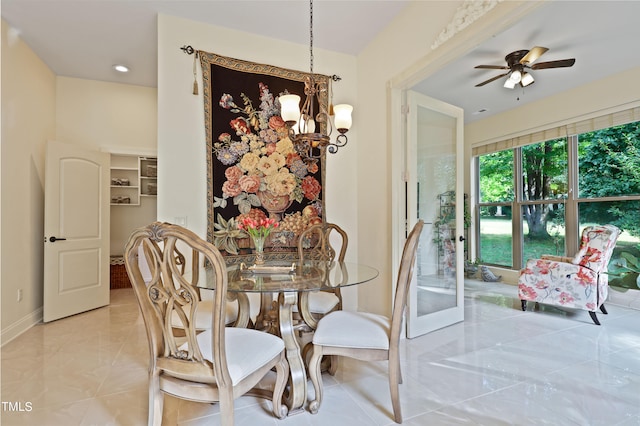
(501, 17)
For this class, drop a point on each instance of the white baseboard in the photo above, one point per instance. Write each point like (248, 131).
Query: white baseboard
(20, 326)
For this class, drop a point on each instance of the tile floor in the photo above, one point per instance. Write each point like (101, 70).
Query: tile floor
(501, 366)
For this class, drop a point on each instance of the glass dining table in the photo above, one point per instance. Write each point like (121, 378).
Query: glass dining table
(287, 281)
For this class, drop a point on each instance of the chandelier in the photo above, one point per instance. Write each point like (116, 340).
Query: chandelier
(301, 122)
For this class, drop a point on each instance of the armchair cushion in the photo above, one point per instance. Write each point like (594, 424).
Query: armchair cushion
(560, 284)
(596, 247)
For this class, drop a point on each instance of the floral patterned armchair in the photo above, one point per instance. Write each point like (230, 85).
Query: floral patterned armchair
(580, 282)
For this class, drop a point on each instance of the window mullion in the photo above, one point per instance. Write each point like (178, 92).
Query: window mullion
(517, 241)
(571, 205)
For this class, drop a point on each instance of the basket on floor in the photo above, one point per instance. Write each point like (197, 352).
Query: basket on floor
(119, 277)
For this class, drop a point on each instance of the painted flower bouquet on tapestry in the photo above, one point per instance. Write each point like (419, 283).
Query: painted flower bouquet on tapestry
(264, 175)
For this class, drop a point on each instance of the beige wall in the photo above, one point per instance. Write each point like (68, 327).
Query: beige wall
(181, 140)
(106, 116)
(28, 121)
(396, 49)
(119, 118)
(37, 106)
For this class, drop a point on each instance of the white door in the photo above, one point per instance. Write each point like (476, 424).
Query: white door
(76, 229)
(435, 194)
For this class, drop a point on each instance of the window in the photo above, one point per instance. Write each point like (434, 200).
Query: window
(557, 187)
(496, 197)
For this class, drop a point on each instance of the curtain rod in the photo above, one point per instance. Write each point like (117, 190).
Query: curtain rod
(190, 51)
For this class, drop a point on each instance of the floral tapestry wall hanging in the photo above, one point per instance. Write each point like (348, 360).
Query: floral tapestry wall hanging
(253, 170)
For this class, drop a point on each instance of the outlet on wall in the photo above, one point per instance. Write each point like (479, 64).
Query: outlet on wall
(19, 295)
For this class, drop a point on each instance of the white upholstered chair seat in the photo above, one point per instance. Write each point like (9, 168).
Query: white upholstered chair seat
(353, 330)
(321, 302)
(247, 350)
(203, 317)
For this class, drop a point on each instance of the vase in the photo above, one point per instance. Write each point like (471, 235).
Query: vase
(274, 204)
(258, 243)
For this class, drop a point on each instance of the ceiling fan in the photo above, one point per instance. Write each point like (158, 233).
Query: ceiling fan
(518, 64)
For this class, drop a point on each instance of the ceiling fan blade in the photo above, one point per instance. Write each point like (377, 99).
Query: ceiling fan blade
(533, 54)
(491, 79)
(492, 67)
(554, 64)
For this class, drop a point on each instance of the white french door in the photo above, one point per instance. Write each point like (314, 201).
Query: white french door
(434, 163)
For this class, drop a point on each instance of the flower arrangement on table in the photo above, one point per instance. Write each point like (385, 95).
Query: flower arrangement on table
(259, 230)
(263, 170)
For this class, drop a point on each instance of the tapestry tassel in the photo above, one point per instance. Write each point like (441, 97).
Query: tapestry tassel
(195, 79)
(331, 98)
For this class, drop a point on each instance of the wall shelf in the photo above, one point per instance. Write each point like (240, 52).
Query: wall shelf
(133, 177)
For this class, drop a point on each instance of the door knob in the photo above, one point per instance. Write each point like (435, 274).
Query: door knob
(54, 239)
(462, 238)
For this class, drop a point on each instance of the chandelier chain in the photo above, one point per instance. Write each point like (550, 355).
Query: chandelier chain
(311, 37)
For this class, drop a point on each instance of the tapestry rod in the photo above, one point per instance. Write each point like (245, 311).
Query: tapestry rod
(190, 51)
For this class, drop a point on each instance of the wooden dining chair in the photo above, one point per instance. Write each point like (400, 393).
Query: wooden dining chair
(237, 310)
(367, 336)
(315, 243)
(218, 364)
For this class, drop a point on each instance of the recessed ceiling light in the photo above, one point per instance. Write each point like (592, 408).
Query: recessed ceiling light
(121, 68)
(480, 111)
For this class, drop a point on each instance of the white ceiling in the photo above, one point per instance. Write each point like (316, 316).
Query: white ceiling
(84, 38)
(602, 36)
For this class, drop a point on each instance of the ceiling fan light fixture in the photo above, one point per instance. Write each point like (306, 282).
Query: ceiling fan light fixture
(509, 83)
(516, 76)
(527, 79)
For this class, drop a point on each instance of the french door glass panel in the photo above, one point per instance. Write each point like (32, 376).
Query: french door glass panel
(435, 195)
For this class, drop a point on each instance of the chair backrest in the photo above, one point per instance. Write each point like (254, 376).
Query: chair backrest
(596, 247)
(171, 292)
(405, 273)
(308, 248)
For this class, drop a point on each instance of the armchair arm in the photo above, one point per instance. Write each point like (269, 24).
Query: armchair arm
(546, 269)
(565, 259)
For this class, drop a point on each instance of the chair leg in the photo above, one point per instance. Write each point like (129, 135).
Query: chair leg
(394, 383)
(316, 378)
(594, 317)
(603, 309)
(226, 407)
(524, 305)
(333, 364)
(282, 375)
(156, 400)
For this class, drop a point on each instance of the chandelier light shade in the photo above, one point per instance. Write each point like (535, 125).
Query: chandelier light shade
(290, 108)
(343, 117)
(302, 122)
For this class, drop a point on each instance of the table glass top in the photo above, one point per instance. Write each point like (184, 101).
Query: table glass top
(278, 277)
